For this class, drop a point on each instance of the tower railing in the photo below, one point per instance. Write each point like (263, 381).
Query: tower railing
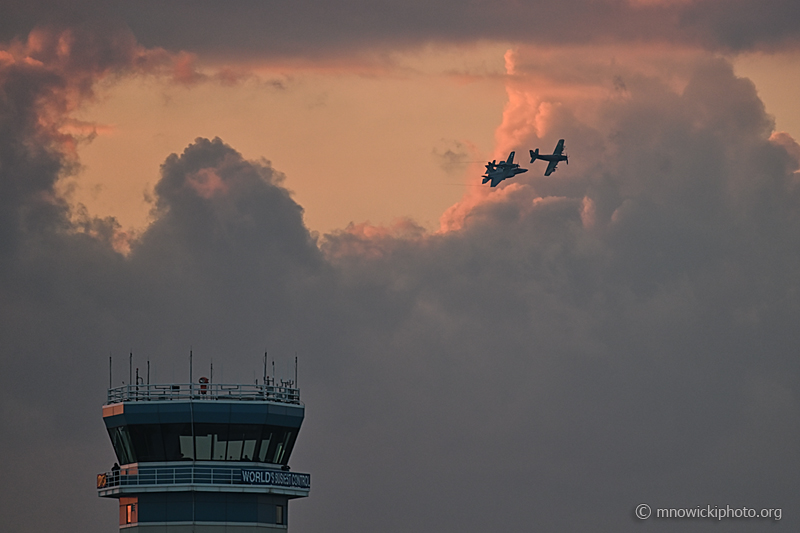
(283, 393)
(199, 475)
(158, 478)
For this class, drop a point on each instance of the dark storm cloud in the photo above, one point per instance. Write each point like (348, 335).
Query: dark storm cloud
(744, 24)
(41, 81)
(622, 332)
(43, 78)
(537, 371)
(292, 28)
(250, 29)
(68, 299)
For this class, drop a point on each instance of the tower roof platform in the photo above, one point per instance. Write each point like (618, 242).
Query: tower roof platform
(283, 393)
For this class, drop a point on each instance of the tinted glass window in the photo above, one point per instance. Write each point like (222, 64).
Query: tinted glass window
(147, 442)
(281, 451)
(220, 443)
(263, 449)
(250, 436)
(211, 442)
(177, 441)
(204, 440)
(123, 447)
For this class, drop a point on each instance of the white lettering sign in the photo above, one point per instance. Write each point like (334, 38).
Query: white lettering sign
(278, 478)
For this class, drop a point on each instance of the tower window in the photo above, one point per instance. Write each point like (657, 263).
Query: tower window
(127, 511)
(279, 515)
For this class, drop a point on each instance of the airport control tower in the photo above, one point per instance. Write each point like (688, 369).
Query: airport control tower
(203, 457)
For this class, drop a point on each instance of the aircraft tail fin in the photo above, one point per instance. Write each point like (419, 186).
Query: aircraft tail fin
(534, 155)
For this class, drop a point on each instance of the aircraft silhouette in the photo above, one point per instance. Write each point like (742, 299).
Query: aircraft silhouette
(497, 172)
(553, 159)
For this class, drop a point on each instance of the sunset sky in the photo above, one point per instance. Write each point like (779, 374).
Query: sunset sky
(402, 135)
(304, 178)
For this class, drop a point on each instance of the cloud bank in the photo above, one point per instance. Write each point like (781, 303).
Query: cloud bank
(253, 29)
(623, 331)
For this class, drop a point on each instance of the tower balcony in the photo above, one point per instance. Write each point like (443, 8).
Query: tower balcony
(200, 477)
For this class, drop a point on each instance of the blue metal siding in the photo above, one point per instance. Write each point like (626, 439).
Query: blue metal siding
(294, 416)
(208, 507)
(114, 421)
(266, 511)
(207, 412)
(242, 508)
(212, 413)
(141, 413)
(249, 414)
(179, 507)
(152, 508)
(174, 413)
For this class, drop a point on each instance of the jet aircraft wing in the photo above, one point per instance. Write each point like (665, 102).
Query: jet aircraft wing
(551, 167)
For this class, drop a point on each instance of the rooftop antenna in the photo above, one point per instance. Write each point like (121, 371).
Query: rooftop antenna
(211, 379)
(273, 371)
(265, 368)
(130, 368)
(191, 375)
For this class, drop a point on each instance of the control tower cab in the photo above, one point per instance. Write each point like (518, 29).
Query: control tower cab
(203, 457)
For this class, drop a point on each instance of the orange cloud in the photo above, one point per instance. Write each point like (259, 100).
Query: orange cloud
(84, 129)
(366, 240)
(524, 115)
(184, 69)
(51, 75)
(553, 90)
(660, 3)
(588, 212)
(207, 183)
(787, 142)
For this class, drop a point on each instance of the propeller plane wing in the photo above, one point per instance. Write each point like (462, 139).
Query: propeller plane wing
(552, 160)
